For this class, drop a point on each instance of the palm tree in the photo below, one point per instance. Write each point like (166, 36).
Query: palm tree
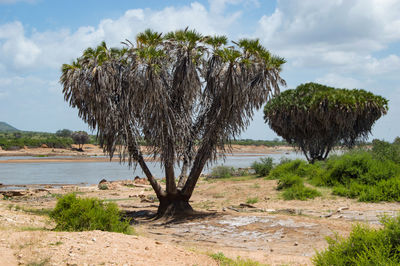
(185, 94)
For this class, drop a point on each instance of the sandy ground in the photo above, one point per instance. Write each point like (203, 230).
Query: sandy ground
(91, 151)
(271, 231)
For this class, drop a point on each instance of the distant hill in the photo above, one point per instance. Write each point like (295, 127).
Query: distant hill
(4, 127)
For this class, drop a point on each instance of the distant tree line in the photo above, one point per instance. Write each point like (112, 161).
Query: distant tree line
(63, 138)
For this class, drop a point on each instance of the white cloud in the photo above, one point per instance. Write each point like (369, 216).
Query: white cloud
(41, 50)
(219, 6)
(339, 34)
(16, 50)
(339, 81)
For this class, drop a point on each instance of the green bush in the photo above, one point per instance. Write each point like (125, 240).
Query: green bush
(263, 167)
(364, 246)
(360, 166)
(300, 192)
(222, 171)
(297, 167)
(289, 181)
(81, 214)
(385, 151)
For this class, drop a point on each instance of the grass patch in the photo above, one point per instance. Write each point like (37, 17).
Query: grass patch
(252, 200)
(224, 261)
(31, 228)
(364, 246)
(41, 212)
(82, 214)
(56, 243)
(40, 263)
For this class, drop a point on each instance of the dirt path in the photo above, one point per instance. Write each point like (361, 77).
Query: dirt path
(270, 231)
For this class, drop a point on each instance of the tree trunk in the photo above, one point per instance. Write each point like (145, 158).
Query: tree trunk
(173, 206)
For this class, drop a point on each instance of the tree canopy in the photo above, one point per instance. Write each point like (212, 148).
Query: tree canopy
(80, 138)
(315, 117)
(174, 91)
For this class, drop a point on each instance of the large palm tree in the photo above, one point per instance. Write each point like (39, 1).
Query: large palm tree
(185, 94)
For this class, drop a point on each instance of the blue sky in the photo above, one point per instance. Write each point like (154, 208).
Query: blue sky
(341, 43)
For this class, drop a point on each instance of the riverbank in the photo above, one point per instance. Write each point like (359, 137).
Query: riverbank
(90, 150)
(269, 230)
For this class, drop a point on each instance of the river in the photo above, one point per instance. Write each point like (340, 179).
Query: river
(74, 172)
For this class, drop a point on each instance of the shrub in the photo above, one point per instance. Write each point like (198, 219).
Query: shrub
(263, 167)
(82, 214)
(385, 151)
(300, 192)
(360, 166)
(364, 246)
(222, 172)
(297, 167)
(289, 181)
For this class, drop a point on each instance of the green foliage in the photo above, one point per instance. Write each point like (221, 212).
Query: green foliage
(252, 200)
(288, 181)
(80, 214)
(359, 174)
(386, 151)
(300, 192)
(263, 167)
(315, 117)
(364, 246)
(224, 261)
(222, 172)
(11, 141)
(65, 133)
(296, 167)
(291, 175)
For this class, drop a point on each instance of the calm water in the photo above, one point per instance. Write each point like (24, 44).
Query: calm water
(92, 172)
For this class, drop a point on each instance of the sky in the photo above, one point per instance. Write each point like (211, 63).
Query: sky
(340, 43)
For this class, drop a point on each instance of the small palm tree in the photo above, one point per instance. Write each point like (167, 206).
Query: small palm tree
(185, 94)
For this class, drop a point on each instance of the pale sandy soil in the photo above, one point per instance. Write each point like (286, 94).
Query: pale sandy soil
(90, 150)
(271, 231)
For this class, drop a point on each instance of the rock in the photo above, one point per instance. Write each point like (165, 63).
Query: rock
(44, 146)
(139, 180)
(158, 243)
(296, 244)
(94, 239)
(146, 248)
